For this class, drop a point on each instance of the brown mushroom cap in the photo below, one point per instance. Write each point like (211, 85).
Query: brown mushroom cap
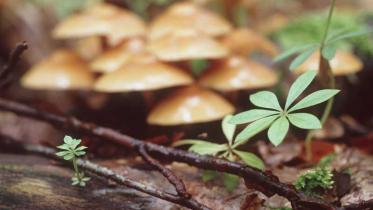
(237, 73)
(189, 105)
(343, 63)
(114, 58)
(61, 71)
(186, 16)
(142, 76)
(186, 46)
(102, 20)
(245, 41)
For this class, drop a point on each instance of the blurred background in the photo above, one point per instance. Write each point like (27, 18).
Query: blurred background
(162, 70)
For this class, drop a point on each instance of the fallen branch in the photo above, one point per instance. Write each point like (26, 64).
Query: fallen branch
(109, 174)
(14, 57)
(170, 176)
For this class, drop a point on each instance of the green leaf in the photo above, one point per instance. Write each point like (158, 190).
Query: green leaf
(287, 53)
(198, 66)
(68, 156)
(336, 33)
(301, 58)
(304, 121)
(250, 159)
(208, 175)
(81, 148)
(68, 140)
(351, 35)
(64, 147)
(79, 153)
(228, 128)
(300, 84)
(75, 143)
(187, 142)
(329, 52)
(265, 99)
(314, 98)
(230, 181)
(63, 153)
(253, 129)
(208, 148)
(251, 115)
(278, 130)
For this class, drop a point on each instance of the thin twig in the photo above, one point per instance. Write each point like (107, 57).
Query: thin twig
(111, 175)
(170, 176)
(14, 57)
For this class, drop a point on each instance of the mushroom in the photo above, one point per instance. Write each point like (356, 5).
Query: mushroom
(245, 41)
(237, 73)
(104, 20)
(343, 63)
(147, 74)
(187, 16)
(189, 105)
(116, 57)
(63, 70)
(186, 46)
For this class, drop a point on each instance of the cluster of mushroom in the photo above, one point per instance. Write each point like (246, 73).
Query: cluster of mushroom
(137, 57)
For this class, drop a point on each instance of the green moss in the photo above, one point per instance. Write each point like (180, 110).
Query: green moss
(315, 181)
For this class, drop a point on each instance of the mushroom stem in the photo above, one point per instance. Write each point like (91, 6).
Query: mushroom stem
(149, 100)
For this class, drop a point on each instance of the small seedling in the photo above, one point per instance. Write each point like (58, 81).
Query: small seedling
(315, 181)
(227, 151)
(70, 151)
(271, 115)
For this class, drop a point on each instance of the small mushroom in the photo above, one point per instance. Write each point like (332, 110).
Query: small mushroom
(149, 74)
(245, 41)
(118, 56)
(63, 70)
(186, 46)
(189, 105)
(103, 19)
(187, 16)
(343, 63)
(237, 73)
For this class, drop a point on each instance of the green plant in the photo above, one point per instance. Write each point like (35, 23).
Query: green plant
(271, 115)
(228, 151)
(327, 47)
(70, 151)
(307, 29)
(315, 181)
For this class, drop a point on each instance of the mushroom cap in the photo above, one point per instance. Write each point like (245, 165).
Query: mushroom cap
(343, 63)
(186, 46)
(63, 70)
(141, 76)
(237, 73)
(189, 105)
(101, 20)
(186, 16)
(245, 41)
(120, 55)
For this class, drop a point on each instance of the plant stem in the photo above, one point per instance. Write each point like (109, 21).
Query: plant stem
(324, 66)
(76, 169)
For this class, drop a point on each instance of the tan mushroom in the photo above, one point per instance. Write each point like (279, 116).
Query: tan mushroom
(143, 76)
(237, 73)
(187, 46)
(103, 19)
(63, 70)
(245, 41)
(186, 16)
(189, 105)
(116, 57)
(343, 63)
